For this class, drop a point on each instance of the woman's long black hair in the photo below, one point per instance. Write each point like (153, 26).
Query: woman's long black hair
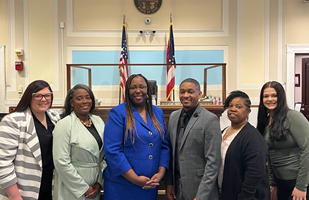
(277, 130)
(130, 128)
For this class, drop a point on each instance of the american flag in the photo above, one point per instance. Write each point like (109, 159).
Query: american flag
(124, 69)
(170, 68)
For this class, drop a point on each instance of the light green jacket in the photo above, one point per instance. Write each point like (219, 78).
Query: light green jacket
(77, 158)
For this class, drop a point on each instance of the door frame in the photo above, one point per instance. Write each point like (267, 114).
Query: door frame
(291, 52)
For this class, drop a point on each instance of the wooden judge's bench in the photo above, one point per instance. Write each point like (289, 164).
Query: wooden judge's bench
(103, 112)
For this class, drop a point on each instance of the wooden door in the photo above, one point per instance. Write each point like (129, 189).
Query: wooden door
(305, 87)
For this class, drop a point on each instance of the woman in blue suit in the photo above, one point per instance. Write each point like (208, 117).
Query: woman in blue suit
(135, 145)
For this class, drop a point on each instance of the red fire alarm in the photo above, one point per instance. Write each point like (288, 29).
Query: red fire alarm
(19, 65)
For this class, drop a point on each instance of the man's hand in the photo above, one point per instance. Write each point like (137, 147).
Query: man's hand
(170, 194)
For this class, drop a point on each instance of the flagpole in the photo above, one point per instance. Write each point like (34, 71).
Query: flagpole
(120, 92)
(171, 21)
(170, 60)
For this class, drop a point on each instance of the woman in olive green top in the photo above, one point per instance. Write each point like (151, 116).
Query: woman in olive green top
(286, 133)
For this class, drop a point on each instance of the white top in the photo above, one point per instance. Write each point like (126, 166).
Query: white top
(224, 146)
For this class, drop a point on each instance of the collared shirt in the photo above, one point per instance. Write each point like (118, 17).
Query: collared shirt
(187, 118)
(180, 132)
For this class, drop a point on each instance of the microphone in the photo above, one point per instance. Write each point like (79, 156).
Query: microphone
(195, 115)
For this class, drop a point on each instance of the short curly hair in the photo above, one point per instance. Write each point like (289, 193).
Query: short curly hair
(237, 93)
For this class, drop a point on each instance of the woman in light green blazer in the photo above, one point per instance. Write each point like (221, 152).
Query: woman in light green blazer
(78, 148)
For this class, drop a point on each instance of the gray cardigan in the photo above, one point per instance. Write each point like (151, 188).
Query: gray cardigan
(20, 154)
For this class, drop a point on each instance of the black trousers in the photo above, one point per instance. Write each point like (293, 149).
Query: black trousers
(285, 189)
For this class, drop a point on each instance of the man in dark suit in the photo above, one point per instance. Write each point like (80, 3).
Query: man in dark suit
(195, 139)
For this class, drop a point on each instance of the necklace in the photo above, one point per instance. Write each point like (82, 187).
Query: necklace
(85, 123)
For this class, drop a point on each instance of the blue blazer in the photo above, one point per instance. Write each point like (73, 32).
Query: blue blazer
(148, 152)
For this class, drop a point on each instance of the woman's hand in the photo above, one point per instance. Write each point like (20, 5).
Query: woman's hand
(141, 181)
(90, 190)
(131, 176)
(155, 179)
(96, 190)
(298, 194)
(273, 193)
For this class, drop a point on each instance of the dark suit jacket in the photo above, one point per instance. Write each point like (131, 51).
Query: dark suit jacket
(245, 172)
(199, 154)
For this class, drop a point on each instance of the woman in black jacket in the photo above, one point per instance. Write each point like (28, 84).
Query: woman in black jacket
(243, 172)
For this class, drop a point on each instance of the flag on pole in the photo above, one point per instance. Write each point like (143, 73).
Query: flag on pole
(124, 69)
(171, 65)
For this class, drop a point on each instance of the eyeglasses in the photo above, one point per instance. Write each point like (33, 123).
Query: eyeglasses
(39, 97)
(141, 88)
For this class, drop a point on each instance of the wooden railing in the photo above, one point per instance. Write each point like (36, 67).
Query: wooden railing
(103, 111)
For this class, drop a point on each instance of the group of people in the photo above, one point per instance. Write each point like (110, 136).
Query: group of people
(44, 155)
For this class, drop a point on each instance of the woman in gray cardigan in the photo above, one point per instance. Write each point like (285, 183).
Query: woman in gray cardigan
(26, 164)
